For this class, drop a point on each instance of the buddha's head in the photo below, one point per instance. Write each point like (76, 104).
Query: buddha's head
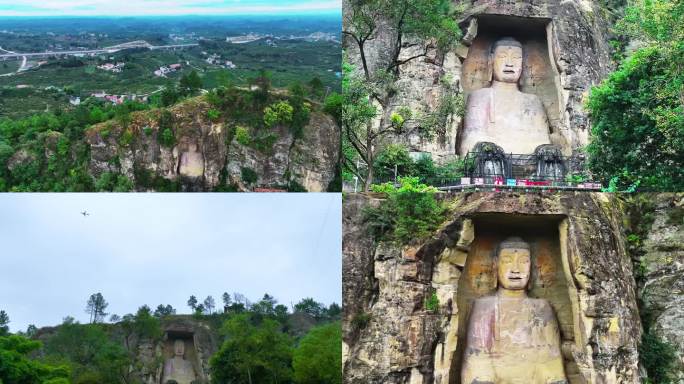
(179, 348)
(506, 60)
(513, 264)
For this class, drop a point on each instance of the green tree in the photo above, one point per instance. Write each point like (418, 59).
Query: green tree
(317, 88)
(192, 303)
(394, 157)
(17, 367)
(190, 83)
(318, 358)
(164, 310)
(637, 113)
(96, 307)
(410, 212)
(169, 96)
(278, 113)
(226, 299)
(89, 351)
(252, 353)
(4, 323)
(146, 325)
(209, 304)
(265, 306)
(428, 20)
(334, 311)
(311, 307)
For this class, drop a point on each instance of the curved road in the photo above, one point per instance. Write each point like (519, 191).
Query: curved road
(21, 68)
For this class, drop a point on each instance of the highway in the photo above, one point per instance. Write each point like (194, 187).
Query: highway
(116, 48)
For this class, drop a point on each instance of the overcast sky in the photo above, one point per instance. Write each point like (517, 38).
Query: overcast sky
(161, 248)
(163, 7)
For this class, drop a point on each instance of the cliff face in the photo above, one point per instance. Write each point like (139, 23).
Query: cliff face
(580, 266)
(661, 264)
(204, 154)
(567, 51)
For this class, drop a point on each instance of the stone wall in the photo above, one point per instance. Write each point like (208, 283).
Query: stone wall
(390, 336)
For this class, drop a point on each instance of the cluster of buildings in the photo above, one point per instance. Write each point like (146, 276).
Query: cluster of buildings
(119, 99)
(164, 70)
(118, 67)
(215, 59)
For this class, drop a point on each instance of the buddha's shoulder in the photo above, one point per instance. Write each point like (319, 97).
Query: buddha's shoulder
(480, 93)
(531, 98)
(484, 302)
(541, 304)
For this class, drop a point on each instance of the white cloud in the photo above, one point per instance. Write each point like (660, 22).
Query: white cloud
(158, 7)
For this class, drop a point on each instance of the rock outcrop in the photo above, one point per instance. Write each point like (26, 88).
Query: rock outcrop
(662, 271)
(582, 268)
(204, 155)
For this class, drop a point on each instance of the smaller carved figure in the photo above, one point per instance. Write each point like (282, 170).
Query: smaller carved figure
(191, 162)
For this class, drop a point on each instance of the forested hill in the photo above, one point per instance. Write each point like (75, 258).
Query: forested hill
(243, 342)
(228, 139)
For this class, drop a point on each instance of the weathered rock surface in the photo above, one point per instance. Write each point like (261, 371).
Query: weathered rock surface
(662, 264)
(201, 158)
(390, 336)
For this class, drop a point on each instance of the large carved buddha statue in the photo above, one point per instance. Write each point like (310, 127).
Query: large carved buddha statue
(511, 338)
(501, 114)
(177, 369)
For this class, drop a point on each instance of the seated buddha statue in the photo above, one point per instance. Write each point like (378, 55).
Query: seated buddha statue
(501, 113)
(177, 369)
(512, 338)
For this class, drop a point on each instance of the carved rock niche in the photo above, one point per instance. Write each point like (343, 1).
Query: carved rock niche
(187, 337)
(465, 272)
(539, 76)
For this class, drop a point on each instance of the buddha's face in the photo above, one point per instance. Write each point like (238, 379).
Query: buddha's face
(513, 268)
(179, 348)
(507, 63)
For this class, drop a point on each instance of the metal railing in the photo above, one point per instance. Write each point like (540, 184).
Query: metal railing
(499, 171)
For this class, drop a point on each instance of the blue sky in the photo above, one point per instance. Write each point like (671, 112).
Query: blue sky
(161, 248)
(164, 7)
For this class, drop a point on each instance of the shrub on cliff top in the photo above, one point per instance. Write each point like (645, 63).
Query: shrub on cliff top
(410, 212)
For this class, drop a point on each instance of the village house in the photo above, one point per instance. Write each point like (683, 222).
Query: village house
(118, 67)
(163, 70)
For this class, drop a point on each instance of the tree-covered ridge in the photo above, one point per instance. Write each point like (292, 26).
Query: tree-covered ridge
(637, 137)
(261, 342)
(50, 151)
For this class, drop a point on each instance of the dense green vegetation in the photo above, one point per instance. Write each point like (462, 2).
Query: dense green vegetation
(364, 89)
(395, 159)
(49, 151)
(49, 82)
(637, 137)
(409, 213)
(260, 342)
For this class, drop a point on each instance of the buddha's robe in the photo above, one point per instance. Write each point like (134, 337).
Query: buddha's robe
(512, 341)
(511, 119)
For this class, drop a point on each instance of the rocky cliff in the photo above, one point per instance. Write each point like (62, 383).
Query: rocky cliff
(581, 267)
(204, 154)
(657, 244)
(567, 51)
